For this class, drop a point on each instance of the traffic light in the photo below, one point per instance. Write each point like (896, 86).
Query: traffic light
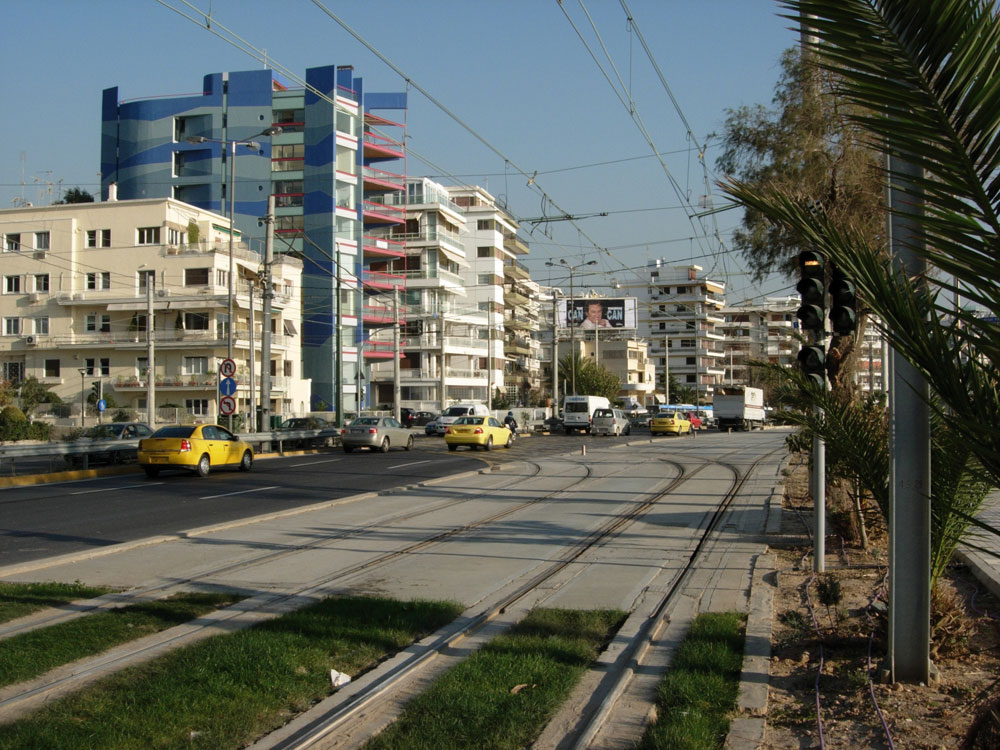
(97, 390)
(812, 288)
(812, 359)
(843, 301)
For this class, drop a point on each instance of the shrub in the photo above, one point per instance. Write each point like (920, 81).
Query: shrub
(13, 424)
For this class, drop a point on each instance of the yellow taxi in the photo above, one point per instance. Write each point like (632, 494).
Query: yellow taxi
(477, 432)
(670, 421)
(196, 447)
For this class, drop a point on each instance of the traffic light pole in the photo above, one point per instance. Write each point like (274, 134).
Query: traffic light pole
(818, 482)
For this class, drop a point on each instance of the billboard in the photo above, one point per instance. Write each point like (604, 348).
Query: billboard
(592, 313)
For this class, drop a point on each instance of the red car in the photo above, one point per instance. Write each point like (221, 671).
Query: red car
(693, 418)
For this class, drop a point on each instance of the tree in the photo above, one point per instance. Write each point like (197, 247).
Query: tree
(33, 393)
(591, 379)
(76, 195)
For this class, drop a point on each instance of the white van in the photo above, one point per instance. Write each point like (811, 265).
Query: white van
(452, 413)
(610, 422)
(578, 411)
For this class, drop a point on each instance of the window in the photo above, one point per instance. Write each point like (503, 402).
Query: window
(13, 371)
(484, 279)
(12, 243)
(195, 321)
(146, 278)
(52, 368)
(99, 280)
(288, 223)
(96, 323)
(287, 367)
(11, 284)
(41, 240)
(484, 224)
(148, 235)
(141, 366)
(221, 277)
(176, 237)
(180, 129)
(11, 326)
(42, 282)
(484, 252)
(689, 360)
(195, 365)
(197, 407)
(196, 276)
(98, 238)
(42, 325)
(179, 157)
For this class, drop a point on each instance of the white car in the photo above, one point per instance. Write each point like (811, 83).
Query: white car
(610, 422)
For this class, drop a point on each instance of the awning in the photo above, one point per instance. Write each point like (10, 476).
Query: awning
(165, 304)
(454, 255)
(289, 327)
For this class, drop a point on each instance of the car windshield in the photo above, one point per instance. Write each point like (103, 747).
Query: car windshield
(175, 431)
(106, 430)
(576, 406)
(455, 411)
(666, 415)
(470, 420)
(294, 424)
(603, 413)
(366, 421)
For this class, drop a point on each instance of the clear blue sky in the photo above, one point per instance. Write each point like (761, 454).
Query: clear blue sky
(514, 71)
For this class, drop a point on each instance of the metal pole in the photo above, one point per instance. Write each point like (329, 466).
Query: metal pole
(910, 468)
(489, 360)
(232, 231)
(150, 353)
(666, 369)
(572, 332)
(265, 336)
(555, 354)
(395, 351)
(83, 397)
(252, 427)
(338, 368)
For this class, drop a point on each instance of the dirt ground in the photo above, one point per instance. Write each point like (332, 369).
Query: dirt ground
(823, 650)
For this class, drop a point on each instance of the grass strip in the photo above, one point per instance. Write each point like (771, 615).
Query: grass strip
(229, 690)
(699, 692)
(33, 653)
(504, 694)
(21, 599)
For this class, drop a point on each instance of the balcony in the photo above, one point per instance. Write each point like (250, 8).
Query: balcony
(382, 247)
(514, 298)
(382, 213)
(514, 244)
(379, 179)
(383, 281)
(515, 270)
(380, 147)
(379, 315)
(380, 349)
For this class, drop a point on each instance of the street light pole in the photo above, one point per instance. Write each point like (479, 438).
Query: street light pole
(83, 396)
(569, 314)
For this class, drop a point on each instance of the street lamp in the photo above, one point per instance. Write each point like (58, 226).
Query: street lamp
(249, 143)
(569, 311)
(83, 395)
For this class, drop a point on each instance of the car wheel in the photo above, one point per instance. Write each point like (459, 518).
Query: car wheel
(409, 443)
(385, 446)
(151, 471)
(204, 465)
(489, 443)
(348, 448)
(510, 442)
(246, 463)
(453, 447)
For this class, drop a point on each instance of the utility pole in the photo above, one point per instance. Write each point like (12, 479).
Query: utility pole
(555, 354)
(252, 426)
(150, 353)
(265, 335)
(395, 352)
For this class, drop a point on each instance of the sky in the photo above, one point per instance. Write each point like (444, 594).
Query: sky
(516, 97)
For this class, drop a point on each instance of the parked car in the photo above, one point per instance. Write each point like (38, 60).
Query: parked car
(431, 428)
(112, 454)
(306, 423)
(693, 418)
(421, 418)
(610, 422)
(477, 432)
(407, 415)
(197, 448)
(376, 433)
(669, 421)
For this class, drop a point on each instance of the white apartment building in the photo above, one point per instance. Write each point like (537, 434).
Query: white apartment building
(679, 311)
(759, 331)
(624, 356)
(74, 301)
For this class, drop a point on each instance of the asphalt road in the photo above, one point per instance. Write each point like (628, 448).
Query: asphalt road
(42, 521)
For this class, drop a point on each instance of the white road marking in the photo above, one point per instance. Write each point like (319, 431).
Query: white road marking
(122, 487)
(412, 463)
(239, 492)
(313, 463)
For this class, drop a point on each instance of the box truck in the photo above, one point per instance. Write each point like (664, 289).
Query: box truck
(739, 408)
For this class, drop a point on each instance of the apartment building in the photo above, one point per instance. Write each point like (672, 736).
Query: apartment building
(759, 331)
(333, 169)
(680, 315)
(74, 302)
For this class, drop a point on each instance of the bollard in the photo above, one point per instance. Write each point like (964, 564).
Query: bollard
(583, 450)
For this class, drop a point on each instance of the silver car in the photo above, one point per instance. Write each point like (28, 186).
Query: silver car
(377, 433)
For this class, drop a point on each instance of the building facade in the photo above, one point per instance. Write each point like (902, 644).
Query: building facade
(330, 169)
(78, 280)
(762, 332)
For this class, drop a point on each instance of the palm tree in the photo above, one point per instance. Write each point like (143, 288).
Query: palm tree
(923, 76)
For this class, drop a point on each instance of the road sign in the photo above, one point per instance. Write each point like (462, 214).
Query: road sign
(227, 405)
(102, 405)
(227, 386)
(228, 368)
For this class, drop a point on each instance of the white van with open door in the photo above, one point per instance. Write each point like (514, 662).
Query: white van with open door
(578, 411)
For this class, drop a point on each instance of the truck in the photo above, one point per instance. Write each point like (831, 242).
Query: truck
(739, 408)
(578, 411)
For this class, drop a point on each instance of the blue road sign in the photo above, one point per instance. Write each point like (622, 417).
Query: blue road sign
(227, 386)
(102, 405)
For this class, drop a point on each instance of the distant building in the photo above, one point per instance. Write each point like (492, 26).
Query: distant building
(759, 331)
(74, 299)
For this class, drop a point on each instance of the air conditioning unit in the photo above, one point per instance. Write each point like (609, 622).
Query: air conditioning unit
(162, 292)
(31, 340)
(34, 297)
(39, 254)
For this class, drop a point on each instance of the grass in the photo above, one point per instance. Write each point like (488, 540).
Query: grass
(21, 599)
(504, 694)
(699, 692)
(33, 653)
(228, 690)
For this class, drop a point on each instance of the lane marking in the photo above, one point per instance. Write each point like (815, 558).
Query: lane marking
(122, 487)
(313, 463)
(238, 492)
(412, 463)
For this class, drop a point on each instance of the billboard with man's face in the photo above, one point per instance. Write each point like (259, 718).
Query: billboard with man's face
(596, 313)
